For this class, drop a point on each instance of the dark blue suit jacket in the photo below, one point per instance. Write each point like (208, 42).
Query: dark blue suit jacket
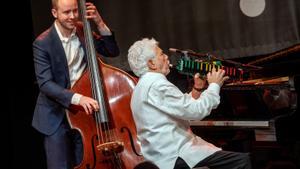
(52, 75)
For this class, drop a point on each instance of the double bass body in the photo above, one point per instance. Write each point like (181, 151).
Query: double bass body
(122, 147)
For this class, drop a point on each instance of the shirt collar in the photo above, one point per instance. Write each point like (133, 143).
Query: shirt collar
(154, 74)
(64, 39)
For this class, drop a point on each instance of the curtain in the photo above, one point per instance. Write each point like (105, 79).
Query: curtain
(226, 28)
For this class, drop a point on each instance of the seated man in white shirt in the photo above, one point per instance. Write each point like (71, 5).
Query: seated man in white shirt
(162, 112)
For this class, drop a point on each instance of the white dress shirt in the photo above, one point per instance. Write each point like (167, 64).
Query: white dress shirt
(74, 53)
(162, 113)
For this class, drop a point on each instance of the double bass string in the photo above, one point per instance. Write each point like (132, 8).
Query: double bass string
(118, 160)
(87, 34)
(101, 115)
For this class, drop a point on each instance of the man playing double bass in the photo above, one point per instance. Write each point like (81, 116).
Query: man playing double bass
(60, 60)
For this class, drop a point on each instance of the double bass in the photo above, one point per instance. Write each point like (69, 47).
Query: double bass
(109, 135)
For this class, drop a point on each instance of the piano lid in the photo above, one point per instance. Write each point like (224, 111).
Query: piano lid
(255, 103)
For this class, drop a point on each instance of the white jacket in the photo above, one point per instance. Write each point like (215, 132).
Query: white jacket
(162, 113)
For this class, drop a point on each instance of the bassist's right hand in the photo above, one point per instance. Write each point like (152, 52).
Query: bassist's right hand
(89, 105)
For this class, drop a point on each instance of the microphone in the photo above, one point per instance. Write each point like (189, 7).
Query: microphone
(185, 52)
(178, 51)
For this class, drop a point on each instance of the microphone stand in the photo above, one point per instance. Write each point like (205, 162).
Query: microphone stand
(212, 57)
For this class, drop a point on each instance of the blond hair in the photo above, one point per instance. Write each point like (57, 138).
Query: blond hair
(54, 4)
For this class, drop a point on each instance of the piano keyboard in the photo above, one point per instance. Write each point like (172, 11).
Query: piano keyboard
(213, 123)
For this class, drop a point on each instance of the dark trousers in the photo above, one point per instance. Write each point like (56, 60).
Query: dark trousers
(64, 148)
(220, 160)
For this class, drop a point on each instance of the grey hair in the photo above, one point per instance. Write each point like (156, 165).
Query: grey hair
(140, 53)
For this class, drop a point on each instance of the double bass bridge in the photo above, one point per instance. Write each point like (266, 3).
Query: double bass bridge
(111, 148)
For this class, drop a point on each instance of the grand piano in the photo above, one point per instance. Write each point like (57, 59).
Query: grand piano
(258, 112)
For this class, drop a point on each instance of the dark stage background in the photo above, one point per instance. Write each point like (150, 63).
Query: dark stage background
(25, 144)
(216, 26)
(227, 28)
